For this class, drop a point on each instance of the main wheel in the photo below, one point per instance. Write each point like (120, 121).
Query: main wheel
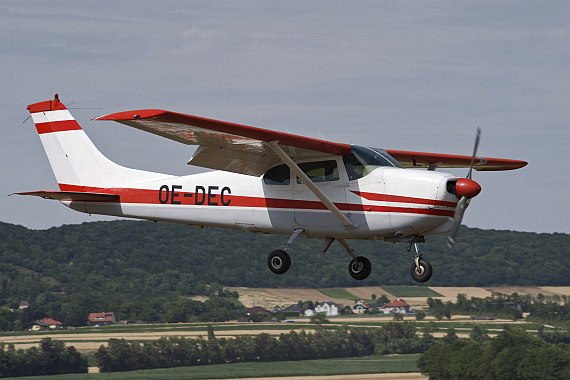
(423, 272)
(279, 261)
(359, 268)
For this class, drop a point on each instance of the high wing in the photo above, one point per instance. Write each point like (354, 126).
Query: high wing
(226, 146)
(245, 149)
(438, 160)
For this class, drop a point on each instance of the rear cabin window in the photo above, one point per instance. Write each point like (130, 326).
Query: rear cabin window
(277, 175)
(320, 171)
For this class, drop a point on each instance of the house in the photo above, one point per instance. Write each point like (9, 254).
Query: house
(396, 306)
(293, 309)
(46, 323)
(24, 305)
(330, 309)
(360, 307)
(102, 318)
(256, 309)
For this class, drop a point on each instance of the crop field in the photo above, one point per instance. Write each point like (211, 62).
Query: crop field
(411, 291)
(310, 369)
(338, 293)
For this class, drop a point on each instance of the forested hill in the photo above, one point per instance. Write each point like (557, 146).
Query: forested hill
(124, 258)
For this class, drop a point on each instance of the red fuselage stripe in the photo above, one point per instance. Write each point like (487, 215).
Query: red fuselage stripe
(400, 199)
(57, 126)
(145, 196)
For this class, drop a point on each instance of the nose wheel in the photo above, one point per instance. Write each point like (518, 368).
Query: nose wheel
(421, 270)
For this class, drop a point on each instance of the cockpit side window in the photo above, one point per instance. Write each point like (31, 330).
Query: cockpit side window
(361, 161)
(277, 175)
(320, 171)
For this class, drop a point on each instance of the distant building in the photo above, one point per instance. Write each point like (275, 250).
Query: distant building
(102, 318)
(330, 309)
(360, 307)
(24, 305)
(256, 309)
(46, 323)
(396, 306)
(293, 309)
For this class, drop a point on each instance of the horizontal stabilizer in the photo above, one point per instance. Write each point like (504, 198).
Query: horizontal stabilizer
(73, 196)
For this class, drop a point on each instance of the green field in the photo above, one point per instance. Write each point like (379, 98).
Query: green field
(344, 366)
(411, 291)
(338, 293)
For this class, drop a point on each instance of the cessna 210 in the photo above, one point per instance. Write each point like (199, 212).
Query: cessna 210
(267, 181)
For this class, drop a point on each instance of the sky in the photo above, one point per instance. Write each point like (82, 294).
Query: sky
(413, 75)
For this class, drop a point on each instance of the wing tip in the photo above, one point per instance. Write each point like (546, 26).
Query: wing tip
(132, 115)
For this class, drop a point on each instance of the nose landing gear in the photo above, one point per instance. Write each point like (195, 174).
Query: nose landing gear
(421, 270)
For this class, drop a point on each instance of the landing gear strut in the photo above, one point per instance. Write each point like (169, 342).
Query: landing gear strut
(421, 270)
(279, 260)
(359, 267)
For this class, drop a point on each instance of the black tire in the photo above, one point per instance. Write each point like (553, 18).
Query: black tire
(279, 261)
(423, 273)
(359, 268)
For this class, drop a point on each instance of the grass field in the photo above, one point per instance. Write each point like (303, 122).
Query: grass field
(338, 293)
(343, 366)
(411, 291)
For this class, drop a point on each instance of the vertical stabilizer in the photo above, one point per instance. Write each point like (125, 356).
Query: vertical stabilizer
(74, 159)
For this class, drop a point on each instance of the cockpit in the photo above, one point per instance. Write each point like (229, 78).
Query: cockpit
(358, 163)
(362, 160)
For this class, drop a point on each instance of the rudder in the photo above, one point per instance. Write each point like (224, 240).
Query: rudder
(73, 157)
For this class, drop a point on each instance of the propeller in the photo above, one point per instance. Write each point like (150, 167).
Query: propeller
(465, 189)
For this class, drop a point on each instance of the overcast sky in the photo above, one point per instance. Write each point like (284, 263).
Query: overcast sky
(399, 75)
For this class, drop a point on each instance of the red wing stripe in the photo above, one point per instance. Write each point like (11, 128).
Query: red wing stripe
(400, 199)
(57, 126)
(146, 196)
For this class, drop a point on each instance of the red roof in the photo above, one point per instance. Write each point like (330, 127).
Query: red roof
(50, 321)
(396, 303)
(101, 317)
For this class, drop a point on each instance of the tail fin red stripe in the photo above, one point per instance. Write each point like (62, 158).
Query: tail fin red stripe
(57, 126)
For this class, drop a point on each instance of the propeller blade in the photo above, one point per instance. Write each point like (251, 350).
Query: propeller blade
(457, 218)
(477, 138)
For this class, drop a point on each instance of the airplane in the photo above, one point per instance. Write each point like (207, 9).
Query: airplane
(267, 181)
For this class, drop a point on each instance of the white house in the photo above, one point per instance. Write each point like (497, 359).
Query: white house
(330, 309)
(360, 307)
(396, 306)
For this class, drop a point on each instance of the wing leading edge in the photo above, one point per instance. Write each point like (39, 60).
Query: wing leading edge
(426, 160)
(243, 149)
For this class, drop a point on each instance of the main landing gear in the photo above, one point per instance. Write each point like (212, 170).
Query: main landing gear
(279, 260)
(359, 267)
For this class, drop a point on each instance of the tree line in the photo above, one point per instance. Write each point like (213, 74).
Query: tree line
(122, 355)
(553, 310)
(513, 354)
(51, 358)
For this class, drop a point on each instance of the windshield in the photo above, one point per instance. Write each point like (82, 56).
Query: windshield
(362, 160)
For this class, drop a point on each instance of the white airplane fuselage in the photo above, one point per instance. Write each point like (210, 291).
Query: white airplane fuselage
(387, 202)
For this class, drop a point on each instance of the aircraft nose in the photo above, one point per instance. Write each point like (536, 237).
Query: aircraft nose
(466, 187)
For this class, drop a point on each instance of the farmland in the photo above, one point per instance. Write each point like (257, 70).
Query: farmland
(416, 296)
